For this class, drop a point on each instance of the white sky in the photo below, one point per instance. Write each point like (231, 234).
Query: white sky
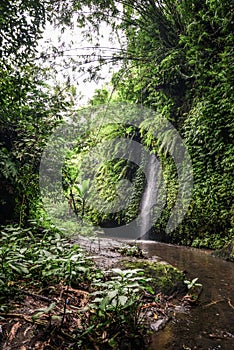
(75, 44)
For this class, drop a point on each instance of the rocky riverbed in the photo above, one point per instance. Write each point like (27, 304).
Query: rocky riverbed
(170, 293)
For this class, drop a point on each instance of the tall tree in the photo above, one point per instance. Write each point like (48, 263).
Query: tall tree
(28, 107)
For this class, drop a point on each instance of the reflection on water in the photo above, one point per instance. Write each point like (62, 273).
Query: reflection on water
(210, 325)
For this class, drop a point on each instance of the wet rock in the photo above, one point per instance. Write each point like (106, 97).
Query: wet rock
(159, 324)
(164, 277)
(227, 252)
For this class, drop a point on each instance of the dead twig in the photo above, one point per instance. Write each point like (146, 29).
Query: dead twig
(25, 317)
(213, 303)
(14, 315)
(230, 304)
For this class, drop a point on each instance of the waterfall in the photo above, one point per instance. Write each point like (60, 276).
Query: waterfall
(149, 198)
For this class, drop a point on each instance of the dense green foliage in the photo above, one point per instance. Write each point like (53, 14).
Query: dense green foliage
(48, 260)
(26, 256)
(29, 108)
(176, 59)
(116, 308)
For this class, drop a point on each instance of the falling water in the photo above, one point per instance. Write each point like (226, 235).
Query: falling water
(150, 195)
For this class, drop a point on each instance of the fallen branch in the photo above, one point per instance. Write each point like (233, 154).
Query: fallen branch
(14, 316)
(213, 303)
(37, 296)
(25, 317)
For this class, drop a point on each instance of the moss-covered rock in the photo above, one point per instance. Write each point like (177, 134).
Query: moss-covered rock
(227, 252)
(164, 277)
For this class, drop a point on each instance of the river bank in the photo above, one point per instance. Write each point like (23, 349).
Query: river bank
(45, 307)
(172, 294)
(53, 316)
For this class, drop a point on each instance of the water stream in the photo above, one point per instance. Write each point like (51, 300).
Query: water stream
(210, 325)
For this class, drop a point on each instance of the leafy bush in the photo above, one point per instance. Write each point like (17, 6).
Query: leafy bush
(47, 259)
(114, 313)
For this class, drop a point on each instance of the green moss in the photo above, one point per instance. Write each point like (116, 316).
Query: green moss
(165, 278)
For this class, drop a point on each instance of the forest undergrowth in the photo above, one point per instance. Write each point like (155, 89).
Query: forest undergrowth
(53, 296)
